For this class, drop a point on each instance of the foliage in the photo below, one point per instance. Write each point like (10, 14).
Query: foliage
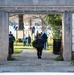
(50, 48)
(23, 47)
(72, 62)
(11, 59)
(55, 22)
(59, 58)
(17, 51)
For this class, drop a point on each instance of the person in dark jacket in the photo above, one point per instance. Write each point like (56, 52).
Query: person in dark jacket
(29, 40)
(25, 40)
(11, 41)
(44, 37)
(39, 45)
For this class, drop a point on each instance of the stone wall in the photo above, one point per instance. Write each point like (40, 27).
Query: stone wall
(22, 6)
(37, 2)
(73, 36)
(4, 31)
(73, 32)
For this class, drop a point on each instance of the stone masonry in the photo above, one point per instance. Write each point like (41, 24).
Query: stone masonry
(65, 7)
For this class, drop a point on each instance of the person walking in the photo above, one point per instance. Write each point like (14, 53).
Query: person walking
(24, 40)
(44, 37)
(29, 40)
(39, 45)
(11, 45)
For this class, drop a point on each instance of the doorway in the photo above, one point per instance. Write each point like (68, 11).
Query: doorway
(29, 21)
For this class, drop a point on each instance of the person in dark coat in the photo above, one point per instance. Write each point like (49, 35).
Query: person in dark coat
(33, 29)
(39, 45)
(29, 40)
(24, 40)
(44, 37)
(11, 41)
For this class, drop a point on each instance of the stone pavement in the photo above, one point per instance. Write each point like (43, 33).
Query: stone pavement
(27, 61)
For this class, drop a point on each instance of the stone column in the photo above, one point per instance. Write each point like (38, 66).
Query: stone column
(72, 35)
(67, 24)
(4, 39)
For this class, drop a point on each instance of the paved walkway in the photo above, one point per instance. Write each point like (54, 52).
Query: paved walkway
(27, 61)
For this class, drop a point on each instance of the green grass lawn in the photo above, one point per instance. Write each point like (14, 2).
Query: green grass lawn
(23, 47)
(19, 49)
(50, 48)
(16, 51)
(18, 46)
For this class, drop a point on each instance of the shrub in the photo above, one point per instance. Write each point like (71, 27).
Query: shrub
(72, 62)
(17, 51)
(59, 58)
(11, 59)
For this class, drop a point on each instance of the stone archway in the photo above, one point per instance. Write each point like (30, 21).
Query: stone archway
(40, 6)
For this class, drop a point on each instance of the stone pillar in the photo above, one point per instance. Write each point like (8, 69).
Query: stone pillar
(72, 35)
(67, 24)
(4, 39)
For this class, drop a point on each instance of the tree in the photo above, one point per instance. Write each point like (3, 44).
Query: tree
(55, 21)
(21, 24)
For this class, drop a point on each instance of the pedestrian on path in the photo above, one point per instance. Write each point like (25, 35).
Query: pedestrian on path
(44, 37)
(39, 45)
(24, 40)
(29, 40)
(11, 45)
